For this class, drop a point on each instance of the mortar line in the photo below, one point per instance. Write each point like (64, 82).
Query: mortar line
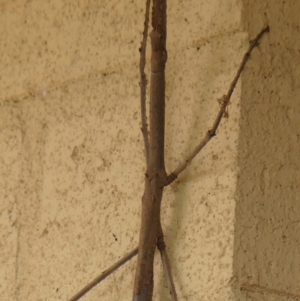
(33, 92)
(254, 288)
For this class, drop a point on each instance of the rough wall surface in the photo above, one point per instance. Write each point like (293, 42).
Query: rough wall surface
(71, 151)
(267, 222)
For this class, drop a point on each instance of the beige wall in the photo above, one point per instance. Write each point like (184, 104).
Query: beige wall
(267, 219)
(72, 161)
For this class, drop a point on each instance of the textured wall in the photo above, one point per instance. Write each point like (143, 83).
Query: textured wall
(71, 151)
(267, 245)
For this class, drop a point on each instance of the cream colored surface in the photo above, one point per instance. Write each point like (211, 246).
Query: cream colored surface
(72, 161)
(267, 226)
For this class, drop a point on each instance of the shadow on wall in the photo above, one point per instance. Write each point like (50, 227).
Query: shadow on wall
(266, 259)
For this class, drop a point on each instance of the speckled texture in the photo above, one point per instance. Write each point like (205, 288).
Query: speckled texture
(10, 164)
(71, 149)
(267, 245)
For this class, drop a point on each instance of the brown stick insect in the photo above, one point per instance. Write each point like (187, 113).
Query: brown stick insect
(156, 177)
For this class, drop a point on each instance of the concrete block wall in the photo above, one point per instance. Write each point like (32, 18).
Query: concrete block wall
(72, 160)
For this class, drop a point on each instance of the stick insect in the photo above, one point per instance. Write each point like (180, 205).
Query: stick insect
(156, 177)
